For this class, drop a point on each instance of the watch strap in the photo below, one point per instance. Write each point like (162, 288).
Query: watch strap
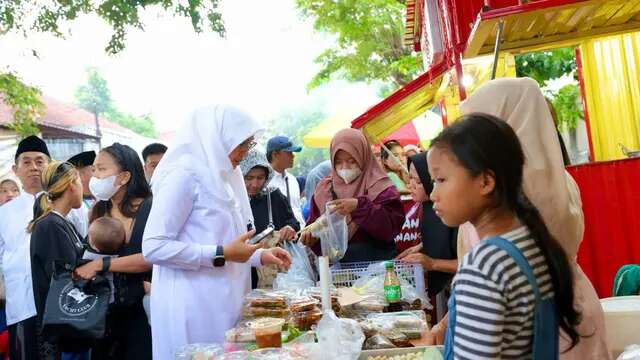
(106, 263)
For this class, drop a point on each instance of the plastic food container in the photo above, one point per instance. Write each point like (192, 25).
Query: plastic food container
(268, 332)
(301, 304)
(235, 355)
(621, 318)
(199, 352)
(305, 320)
(275, 354)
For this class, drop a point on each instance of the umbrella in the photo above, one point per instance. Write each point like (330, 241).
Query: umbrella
(420, 130)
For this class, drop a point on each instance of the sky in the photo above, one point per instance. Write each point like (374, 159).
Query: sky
(262, 65)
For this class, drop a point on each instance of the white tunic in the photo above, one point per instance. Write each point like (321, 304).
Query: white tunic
(191, 300)
(16, 260)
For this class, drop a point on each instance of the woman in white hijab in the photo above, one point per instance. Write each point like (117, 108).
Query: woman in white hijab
(196, 232)
(550, 188)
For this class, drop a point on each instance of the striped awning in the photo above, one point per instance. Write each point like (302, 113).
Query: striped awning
(550, 23)
(413, 25)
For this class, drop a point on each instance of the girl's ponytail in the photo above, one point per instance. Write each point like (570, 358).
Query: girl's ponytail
(559, 268)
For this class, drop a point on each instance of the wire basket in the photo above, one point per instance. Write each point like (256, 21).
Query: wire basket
(345, 274)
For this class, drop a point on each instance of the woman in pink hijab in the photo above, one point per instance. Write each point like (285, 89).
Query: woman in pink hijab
(361, 191)
(550, 188)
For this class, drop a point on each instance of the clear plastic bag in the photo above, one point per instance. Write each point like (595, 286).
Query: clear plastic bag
(339, 339)
(334, 234)
(371, 282)
(301, 274)
(199, 351)
(631, 352)
(409, 323)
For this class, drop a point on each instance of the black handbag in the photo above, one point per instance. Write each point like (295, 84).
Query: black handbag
(75, 308)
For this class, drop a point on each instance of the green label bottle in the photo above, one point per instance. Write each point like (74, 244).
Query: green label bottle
(392, 290)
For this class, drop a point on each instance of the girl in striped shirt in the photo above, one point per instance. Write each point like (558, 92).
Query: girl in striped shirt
(515, 288)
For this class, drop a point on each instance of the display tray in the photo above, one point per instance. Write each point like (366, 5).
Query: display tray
(365, 354)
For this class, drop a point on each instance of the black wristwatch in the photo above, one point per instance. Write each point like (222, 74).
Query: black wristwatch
(106, 264)
(218, 260)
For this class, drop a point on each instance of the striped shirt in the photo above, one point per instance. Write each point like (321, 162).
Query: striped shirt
(495, 302)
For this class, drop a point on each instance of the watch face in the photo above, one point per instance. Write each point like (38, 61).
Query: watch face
(218, 261)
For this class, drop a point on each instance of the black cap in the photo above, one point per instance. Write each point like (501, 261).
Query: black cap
(83, 159)
(32, 143)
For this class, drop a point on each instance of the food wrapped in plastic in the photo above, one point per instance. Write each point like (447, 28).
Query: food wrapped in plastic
(235, 355)
(275, 354)
(377, 342)
(397, 338)
(409, 323)
(339, 339)
(250, 312)
(305, 320)
(199, 352)
(301, 273)
(333, 234)
(302, 303)
(242, 333)
(267, 299)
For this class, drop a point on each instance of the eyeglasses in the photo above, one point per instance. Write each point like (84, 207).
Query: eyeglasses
(248, 144)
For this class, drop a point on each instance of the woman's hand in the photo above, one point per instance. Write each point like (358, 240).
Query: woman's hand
(436, 335)
(345, 207)
(238, 250)
(287, 233)
(412, 250)
(276, 256)
(89, 270)
(308, 239)
(427, 263)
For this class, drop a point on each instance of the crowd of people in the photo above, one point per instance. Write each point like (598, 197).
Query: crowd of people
(488, 211)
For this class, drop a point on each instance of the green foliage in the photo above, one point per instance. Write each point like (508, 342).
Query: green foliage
(296, 123)
(568, 107)
(25, 102)
(545, 65)
(142, 125)
(368, 45)
(95, 97)
(121, 15)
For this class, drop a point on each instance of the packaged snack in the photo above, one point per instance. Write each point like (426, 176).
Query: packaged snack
(235, 355)
(303, 303)
(305, 320)
(198, 352)
(377, 342)
(269, 301)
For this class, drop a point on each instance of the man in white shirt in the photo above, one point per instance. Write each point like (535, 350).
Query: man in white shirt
(80, 217)
(31, 158)
(280, 155)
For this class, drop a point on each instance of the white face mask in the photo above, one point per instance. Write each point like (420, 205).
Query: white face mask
(348, 175)
(103, 189)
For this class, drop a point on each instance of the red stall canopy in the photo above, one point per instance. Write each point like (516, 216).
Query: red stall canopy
(610, 200)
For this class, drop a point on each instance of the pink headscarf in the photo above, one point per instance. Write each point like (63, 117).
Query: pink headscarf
(370, 183)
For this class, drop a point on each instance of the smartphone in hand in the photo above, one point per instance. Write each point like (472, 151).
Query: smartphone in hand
(263, 235)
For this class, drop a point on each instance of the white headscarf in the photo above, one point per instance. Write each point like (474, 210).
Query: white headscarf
(548, 185)
(202, 148)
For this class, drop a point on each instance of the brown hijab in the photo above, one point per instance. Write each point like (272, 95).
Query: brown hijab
(370, 183)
